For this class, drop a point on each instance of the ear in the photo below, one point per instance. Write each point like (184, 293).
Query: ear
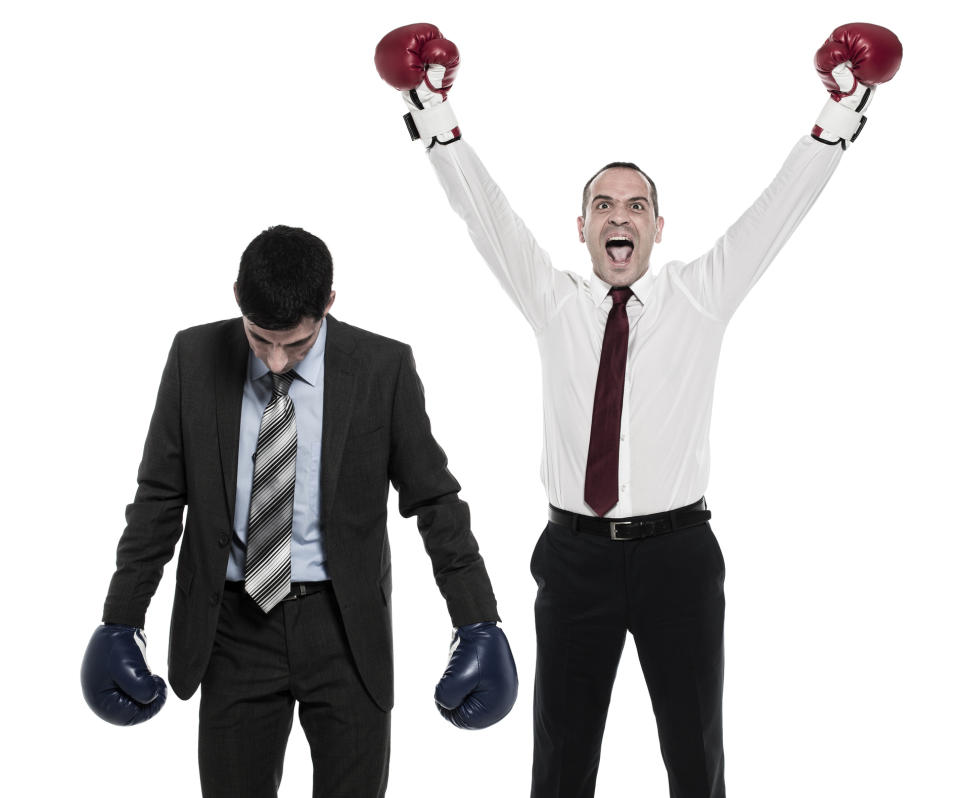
(659, 234)
(333, 296)
(236, 295)
(580, 229)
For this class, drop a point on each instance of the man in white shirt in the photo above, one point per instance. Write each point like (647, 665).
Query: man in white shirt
(629, 361)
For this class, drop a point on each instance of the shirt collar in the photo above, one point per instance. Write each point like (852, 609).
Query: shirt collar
(307, 369)
(641, 288)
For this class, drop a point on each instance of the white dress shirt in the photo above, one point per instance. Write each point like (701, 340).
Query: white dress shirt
(677, 320)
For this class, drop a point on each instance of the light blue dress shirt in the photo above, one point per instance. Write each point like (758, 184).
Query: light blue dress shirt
(308, 561)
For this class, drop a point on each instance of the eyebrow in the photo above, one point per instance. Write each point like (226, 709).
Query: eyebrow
(292, 343)
(607, 197)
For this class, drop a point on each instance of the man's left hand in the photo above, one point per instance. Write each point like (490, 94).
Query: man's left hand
(851, 63)
(479, 686)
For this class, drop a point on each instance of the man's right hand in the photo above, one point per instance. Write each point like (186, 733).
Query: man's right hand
(117, 684)
(418, 61)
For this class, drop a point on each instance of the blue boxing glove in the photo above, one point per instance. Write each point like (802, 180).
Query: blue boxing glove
(479, 686)
(117, 684)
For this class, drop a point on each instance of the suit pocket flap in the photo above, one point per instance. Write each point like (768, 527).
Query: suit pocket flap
(363, 441)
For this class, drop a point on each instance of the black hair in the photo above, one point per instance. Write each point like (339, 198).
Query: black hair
(622, 165)
(285, 275)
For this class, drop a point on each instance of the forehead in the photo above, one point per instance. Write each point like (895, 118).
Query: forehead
(304, 329)
(620, 183)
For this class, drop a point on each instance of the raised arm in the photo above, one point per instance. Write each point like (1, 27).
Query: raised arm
(851, 62)
(418, 61)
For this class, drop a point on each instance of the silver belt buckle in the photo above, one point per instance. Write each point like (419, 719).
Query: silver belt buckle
(613, 530)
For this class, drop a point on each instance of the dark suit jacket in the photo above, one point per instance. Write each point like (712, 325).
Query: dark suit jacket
(375, 431)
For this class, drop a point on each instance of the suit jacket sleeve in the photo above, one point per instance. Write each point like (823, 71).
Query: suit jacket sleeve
(418, 470)
(155, 518)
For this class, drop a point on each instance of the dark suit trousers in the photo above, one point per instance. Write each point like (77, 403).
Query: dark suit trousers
(261, 665)
(668, 592)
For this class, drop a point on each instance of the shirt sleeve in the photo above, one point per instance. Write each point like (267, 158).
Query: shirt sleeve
(522, 267)
(720, 279)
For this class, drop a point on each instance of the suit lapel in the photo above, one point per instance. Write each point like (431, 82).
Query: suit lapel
(339, 384)
(231, 371)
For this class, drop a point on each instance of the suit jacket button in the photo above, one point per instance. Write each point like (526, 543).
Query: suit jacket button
(214, 599)
(223, 540)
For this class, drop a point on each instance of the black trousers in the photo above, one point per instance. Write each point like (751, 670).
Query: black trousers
(667, 591)
(261, 665)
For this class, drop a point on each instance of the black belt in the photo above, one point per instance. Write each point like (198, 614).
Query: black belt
(636, 528)
(297, 589)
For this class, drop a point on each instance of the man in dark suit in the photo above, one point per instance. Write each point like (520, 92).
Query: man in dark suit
(283, 581)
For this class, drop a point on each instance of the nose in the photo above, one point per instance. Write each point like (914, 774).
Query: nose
(277, 360)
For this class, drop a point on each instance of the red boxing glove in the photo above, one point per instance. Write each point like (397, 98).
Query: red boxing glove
(873, 55)
(851, 63)
(418, 61)
(403, 56)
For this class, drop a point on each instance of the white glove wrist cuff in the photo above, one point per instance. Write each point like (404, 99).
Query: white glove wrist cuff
(841, 122)
(434, 121)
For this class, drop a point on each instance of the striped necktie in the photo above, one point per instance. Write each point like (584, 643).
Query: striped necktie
(267, 577)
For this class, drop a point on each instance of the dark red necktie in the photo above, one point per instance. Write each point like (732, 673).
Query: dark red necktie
(603, 457)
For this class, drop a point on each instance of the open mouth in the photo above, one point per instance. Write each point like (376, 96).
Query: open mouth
(619, 250)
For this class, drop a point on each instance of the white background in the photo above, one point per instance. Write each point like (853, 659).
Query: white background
(145, 144)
